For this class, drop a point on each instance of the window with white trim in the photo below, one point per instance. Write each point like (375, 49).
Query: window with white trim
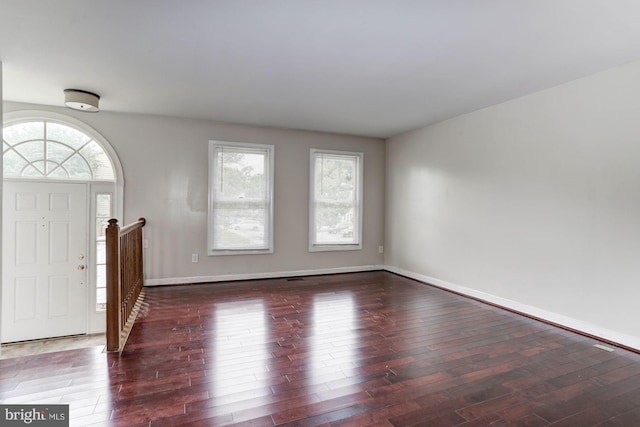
(335, 219)
(103, 212)
(46, 149)
(240, 198)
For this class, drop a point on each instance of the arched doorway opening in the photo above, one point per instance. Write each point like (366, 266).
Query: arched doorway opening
(61, 182)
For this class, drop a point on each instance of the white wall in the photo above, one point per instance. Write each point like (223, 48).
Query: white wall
(533, 204)
(165, 171)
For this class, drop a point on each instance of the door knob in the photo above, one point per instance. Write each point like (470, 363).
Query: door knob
(81, 267)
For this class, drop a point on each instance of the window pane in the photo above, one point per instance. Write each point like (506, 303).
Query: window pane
(99, 161)
(335, 199)
(240, 218)
(13, 163)
(237, 228)
(101, 277)
(57, 172)
(335, 178)
(101, 299)
(101, 290)
(34, 169)
(101, 252)
(103, 213)
(77, 167)
(103, 205)
(20, 132)
(70, 136)
(101, 227)
(31, 151)
(24, 144)
(58, 152)
(335, 223)
(240, 175)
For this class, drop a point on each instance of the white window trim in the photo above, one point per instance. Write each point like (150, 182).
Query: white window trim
(271, 150)
(316, 247)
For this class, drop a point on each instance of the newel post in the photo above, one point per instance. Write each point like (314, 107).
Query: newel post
(113, 285)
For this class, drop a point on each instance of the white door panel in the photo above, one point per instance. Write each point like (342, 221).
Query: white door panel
(44, 281)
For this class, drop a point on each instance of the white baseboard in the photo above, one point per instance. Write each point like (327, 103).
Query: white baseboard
(251, 276)
(548, 316)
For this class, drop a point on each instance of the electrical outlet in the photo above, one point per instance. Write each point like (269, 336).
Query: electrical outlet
(380, 249)
(194, 258)
(145, 244)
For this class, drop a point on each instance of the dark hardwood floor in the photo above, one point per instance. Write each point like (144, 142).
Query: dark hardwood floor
(343, 350)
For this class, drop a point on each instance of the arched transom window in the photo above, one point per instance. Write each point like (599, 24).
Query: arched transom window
(50, 150)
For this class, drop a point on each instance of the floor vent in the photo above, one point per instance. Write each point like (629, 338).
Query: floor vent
(604, 347)
(295, 279)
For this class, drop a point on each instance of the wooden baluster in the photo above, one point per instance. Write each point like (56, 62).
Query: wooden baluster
(114, 295)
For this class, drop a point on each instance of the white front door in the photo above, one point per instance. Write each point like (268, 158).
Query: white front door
(44, 247)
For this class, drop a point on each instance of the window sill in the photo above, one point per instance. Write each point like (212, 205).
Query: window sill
(327, 248)
(219, 252)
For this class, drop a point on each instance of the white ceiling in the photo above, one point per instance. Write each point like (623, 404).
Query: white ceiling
(363, 67)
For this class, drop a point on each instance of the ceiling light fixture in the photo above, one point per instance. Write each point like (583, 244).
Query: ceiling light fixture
(81, 100)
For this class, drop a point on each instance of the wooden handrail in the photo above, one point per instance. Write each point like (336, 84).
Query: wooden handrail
(141, 222)
(125, 279)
